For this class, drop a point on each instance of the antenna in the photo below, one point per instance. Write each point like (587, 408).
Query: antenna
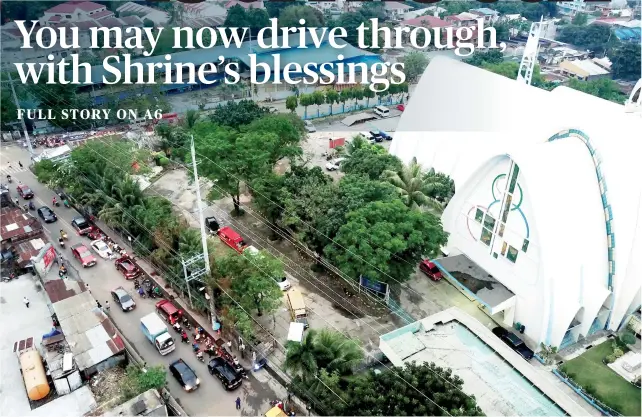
(531, 50)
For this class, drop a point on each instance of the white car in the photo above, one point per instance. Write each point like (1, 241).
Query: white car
(309, 127)
(101, 248)
(334, 164)
(251, 250)
(284, 283)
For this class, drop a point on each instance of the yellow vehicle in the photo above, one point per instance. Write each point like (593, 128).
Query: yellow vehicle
(298, 311)
(275, 412)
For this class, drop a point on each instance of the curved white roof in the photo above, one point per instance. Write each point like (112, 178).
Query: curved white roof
(584, 187)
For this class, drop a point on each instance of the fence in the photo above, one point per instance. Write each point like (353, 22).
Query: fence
(338, 109)
(607, 411)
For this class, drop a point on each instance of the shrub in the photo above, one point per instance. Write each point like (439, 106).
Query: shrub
(617, 353)
(570, 375)
(610, 359)
(163, 161)
(590, 389)
(628, 338)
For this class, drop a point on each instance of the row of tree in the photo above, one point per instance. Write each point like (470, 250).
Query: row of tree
(331, 96)
(324, 366)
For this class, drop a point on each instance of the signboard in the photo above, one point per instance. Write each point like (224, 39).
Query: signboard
(45, 259)
(379, 289)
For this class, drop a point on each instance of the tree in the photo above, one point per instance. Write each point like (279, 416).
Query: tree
(345, 95)
(357, 94)
(510, 69)
(384, 241)
(290, 16)
(138, 380)
(439, 186)
(191, 117)
(417, 389)
(318, 98)
(306, 100)
(626, 62)
(300, 357)
(231, 158)
(409, 182)
(368, 94)
(253, 280)
(257, 19)
(370, 161)
(602, 87)
(414, 65)
(236, 17)
(236, 114)
(351, 21)
(291, 103)
(9, 110)
(331, 97)
(267, 196)
(289, 131)
(597, 38)
(580, 19)
(491, 56)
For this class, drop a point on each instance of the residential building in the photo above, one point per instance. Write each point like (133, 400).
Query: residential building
(396, 10)
(74, 12)
(545, 202)
(462, 19)
(490, 16)
(429, 22)
(158, 17)
(585, 69)
(21, 234)
(432, 11)
(249, 5)
(557, 54)
(571, 8)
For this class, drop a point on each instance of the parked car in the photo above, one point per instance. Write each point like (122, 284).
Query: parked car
(212, 224)
(101, 248)
(127, 267)
(232, 239)
(431, 270)
(284, 283)
(123, 299)
(385, 135)
(184, 375)
(81, 225)
(84, 256)
(334, 165)
(225, 373)
(309, 127)
(168, 311)
(514, 342)
(24, 191)
(401, 107)
(47, 214)
(376, 135)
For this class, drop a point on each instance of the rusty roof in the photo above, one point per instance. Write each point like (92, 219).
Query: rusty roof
(89, 332)
(14, 223)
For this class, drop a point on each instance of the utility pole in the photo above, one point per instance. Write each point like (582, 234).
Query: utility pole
(192, 275)
(201, 221)
(22, 120)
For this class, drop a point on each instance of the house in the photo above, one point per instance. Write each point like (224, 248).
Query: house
(432, 11)
(583, 69)
(603, 62)
(557, 54)
(429, 22)
(158, 17)
(571, 8)
(462, 19)
(490, 16)
(74, 12)
(396, 10)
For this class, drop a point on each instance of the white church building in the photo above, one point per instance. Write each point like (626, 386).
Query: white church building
(548, 201)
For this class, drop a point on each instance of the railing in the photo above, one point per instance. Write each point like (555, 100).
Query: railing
(338, 109)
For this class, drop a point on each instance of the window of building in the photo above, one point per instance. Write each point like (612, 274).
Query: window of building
(479, 215)
(489, 222)
(495, 255)
(512, 254)
(509, 200)
(502, 226)
(504, 247)
(486, 236)
(513, 179)
(525, 245)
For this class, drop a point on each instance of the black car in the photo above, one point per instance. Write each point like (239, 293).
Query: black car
(47, 214)
(212, 224)
(376, 135)
(184, 375)
(224, 371)
(81, 225)
(514, 342)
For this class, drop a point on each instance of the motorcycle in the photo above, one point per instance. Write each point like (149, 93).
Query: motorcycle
(25, 208)
(61, 242)
(9, 278)
(200, 357)
(55, 202)
(184, 338)
(32, 206)
(178, 327)
(66, 203)
(186, 324)
(136, 284)
(141, 292)
(63, 235)
(9, 180)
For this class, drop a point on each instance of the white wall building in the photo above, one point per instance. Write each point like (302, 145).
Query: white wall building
(549, 193)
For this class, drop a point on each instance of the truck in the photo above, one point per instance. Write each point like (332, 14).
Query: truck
(156, 332)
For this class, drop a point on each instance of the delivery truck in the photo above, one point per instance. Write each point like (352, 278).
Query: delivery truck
(156, 332)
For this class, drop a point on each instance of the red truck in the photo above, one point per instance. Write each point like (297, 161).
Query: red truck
(430, 269)
(231, 239)
(168, 311)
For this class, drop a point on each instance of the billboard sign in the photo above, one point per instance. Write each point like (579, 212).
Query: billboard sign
(45, 259)
(380, 289)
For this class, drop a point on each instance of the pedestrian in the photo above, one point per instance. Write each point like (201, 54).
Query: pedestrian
(229, 345)
(20, 164)
(242, 349)
(87, 288)
(98, 304)
(253, 357)
(26, 301)
(238, 403)
(106, 306)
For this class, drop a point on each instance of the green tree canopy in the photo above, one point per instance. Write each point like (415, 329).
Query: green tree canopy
(371, 161)
(289, 131)
(414, 65)
(597, 38)
(384, 241)
(236, 114)
(602, 87)
(626, 62)
(291, 15)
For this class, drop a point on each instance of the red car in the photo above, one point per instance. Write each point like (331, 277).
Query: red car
(401, 107)
(430, 269)
(24, 191)
(127, 267)
(168, 311)
(84, 256)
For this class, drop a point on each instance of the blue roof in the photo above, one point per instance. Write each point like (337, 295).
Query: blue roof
(628, 34)
(324, 54)
(486, 11)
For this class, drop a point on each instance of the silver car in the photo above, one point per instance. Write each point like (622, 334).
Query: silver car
(309, 127)
(123, 299)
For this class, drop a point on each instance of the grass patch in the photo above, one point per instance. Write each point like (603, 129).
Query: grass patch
(588, 371)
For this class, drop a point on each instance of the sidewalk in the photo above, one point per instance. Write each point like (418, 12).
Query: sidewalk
(272, 375)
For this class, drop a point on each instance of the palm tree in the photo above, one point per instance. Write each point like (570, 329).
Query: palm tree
(357, 142)
(409, 183)
(300, 357)
(191, 117)
(336, 353)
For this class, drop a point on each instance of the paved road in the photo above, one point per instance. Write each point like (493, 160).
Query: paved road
(210, 398)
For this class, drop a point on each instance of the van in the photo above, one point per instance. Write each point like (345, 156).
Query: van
(297, 308)
(381, 111)
(231, 239)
